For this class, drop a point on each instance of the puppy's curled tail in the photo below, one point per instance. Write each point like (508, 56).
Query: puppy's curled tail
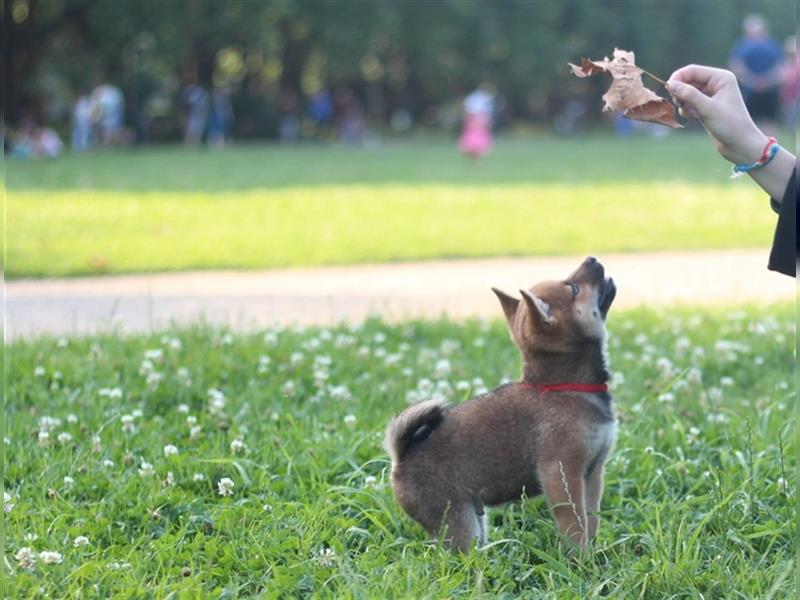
(412, 425)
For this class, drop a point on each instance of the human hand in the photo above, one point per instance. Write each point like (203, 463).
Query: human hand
(713, 96)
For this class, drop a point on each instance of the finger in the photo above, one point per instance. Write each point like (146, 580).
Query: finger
(709, 79)
(689, 95)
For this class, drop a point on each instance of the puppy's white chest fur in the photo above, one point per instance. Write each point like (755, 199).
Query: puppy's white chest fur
(600, 439)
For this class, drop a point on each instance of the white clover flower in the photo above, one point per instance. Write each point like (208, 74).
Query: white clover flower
(194, 431)
(64, 437)
(640, 339)
(108, 463)
(183, 375)
(49, 557)
(312, 344)
(153, 379)
(69, 482)
(238, 446)
(191, 420)
(183, 408)
(287, 389)
(137, 413)
(340, 392)
(175, 344)
(296, 357)
(271, 338)
(363, 352)
(379, 337)
(479, 342)
(393, 359)
(726, 381)
(320, 376)
(350, 420)
(448, 347)
(217, 398)
(170, 450)
(717, 418)
(8, 506)
(119, 566)
(110, 393)
(128, 425)
(25, 557)
(72, 419)
(80, 540)
(664, 365)
(146, 469)
(263, 363)
(47, 423)
(694, 375)
(370, 482)
(44, 437)
(225, 486)
(154, 354)
(462, 385)
(649, 450)
(327, 557)
(169, 480)
(682, 344)
(62, 342)
(380, 352)
(39, 371)
(666, 397)
(227, 339)
(146, 367)
(692, 437)
(758, 360)
(441, 369)
(343, 341)
(714, 394)
(198, 477)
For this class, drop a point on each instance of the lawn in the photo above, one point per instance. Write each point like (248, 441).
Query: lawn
(272, 206)
(201, 463)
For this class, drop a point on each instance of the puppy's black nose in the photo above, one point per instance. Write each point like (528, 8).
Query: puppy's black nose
(590, 260)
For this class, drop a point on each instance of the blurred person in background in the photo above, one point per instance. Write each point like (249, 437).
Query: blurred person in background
(756, 61)
(108, 111)
(81, 122)
(320, 111)
(790, 82)
(220, 119)
(196, 102)
(32, 141)
(476, 137)
(352, 118)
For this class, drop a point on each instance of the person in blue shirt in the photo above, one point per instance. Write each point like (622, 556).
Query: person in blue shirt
(756, 61)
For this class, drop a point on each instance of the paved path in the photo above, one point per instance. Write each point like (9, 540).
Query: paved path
(458, 288)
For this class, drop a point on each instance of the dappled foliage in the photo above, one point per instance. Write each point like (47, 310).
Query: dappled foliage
(410, 56)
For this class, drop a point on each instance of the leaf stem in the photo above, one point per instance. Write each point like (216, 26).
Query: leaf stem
(649, 74)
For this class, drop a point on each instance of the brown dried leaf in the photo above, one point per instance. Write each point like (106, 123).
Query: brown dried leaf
(627, 93)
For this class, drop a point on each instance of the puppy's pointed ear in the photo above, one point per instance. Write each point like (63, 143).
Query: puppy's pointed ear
(539, 309)
(509, 304)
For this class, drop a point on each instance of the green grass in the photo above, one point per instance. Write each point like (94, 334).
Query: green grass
(271, 206)
(699, 493)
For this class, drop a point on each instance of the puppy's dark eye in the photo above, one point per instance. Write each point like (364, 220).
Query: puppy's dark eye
(575, 289)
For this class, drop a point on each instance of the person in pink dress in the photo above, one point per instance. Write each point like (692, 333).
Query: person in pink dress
(476, 138)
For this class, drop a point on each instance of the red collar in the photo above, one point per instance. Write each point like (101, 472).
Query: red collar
(590, 388)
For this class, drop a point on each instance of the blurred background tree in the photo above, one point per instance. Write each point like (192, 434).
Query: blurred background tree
(410, 58)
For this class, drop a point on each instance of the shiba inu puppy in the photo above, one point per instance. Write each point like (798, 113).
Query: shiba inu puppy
(547, 434)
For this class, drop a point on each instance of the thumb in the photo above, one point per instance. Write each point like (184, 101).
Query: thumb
(690, 95)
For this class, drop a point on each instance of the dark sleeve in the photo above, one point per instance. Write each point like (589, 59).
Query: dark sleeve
(783, 257)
